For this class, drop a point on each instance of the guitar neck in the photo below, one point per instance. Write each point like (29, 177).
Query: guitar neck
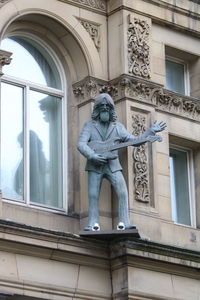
(126, 144)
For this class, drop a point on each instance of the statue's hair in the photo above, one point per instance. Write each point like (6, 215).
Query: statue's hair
(99, 99)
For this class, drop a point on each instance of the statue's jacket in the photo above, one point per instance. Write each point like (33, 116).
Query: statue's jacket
(92, 132)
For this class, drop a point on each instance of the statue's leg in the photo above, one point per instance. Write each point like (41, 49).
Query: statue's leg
(118, 182)
(94, 185)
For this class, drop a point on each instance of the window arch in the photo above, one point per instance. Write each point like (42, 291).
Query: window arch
(32, 139)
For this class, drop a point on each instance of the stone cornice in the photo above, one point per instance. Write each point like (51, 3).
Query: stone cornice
(169, 11)
(95, 5)
(5, 59)
(71, 248)
(138, 89)
(156, 257)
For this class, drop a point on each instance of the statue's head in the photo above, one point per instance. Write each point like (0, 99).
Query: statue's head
(104, 108)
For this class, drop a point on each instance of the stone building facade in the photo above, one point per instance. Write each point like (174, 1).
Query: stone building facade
(146, 54)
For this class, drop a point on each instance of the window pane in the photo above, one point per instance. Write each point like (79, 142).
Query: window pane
(180, 186)
(30, 61)
(12, 141)
(175, 80)
(45, 149)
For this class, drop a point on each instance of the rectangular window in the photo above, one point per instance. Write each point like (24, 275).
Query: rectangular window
(177, 76)
(31, 146)
(182, 195)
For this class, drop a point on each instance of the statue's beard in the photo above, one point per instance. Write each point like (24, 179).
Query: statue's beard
(104, 116)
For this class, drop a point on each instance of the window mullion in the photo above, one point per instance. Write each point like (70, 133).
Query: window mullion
(191, 188)
(26, 146)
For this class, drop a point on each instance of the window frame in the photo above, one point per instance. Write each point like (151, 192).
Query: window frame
(191, 185)
(60, 93)
(186, 73)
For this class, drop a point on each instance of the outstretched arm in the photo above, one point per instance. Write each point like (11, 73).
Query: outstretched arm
(148, 135)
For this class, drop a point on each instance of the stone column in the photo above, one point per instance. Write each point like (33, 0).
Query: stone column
(5, 59)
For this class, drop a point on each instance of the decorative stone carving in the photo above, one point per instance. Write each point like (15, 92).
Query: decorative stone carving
(90, 87)
(138, 48)
(96, 4)
(5, 59)
(177, 104)
(2, 2)
(93, 31)
(126, 86)
(140, 165)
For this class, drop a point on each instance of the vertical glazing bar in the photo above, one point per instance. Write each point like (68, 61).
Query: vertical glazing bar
(26, 145)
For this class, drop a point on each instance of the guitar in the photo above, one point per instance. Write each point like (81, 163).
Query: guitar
(108, 148)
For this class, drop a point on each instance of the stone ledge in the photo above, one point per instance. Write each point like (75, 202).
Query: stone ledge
(137, 89)
(61, 246)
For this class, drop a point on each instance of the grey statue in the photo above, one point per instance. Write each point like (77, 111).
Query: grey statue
(98, 142)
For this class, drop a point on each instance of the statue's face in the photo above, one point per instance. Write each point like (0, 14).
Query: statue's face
(104, 111)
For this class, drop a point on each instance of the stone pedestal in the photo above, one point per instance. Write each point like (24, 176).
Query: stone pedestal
(111, 234)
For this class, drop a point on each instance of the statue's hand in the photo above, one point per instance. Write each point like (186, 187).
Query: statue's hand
(99, 159)
(157, 127)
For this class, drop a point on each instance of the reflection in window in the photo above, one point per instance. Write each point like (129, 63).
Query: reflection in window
(180, 189)
(31, 128)
(11, 152)
(175, 76)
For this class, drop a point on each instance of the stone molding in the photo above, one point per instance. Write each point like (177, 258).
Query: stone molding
(138, 89)
(99, 5)
(5, 59)
(140, 161)
(93, 30)
(138, 47)
(55, 243)
(2, 2)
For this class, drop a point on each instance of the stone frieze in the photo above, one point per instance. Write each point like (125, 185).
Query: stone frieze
(138, 89)
(95, 4)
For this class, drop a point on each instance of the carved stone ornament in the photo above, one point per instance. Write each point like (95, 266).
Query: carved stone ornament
(2, 2)
(90, 87)
(140, 165)
(138, 48)
(95, 4)
(132, 87)
(5, 59)
(93, 31)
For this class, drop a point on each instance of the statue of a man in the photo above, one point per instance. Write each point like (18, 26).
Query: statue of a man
(102, 129)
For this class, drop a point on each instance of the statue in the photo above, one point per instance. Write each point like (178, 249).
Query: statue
(98, 142)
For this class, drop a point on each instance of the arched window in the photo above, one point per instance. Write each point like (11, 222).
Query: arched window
(31, 125)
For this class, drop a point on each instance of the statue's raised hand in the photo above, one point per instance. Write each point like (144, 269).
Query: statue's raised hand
(157, 127)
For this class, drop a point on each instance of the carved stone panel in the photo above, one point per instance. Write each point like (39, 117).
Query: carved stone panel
(95, 4)
(140, 161)
(138, 48)
(5, 59)
(93, 31)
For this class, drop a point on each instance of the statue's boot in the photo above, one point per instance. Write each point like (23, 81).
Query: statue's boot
(95, 227)
(130, 226)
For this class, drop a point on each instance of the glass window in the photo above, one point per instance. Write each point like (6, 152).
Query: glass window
(31, 126)
(175, 76)
(31, 61)
(180, 186)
